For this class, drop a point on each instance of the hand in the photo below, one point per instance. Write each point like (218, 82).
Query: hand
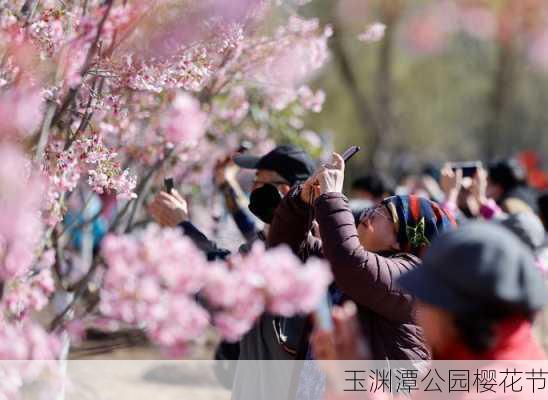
(168, 209)
(346, 342)
(225, 171)
(478, 188)
(310, 191)
(451, 183)
(331, 177)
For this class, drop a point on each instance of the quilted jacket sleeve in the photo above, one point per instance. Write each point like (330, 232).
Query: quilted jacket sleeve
(368, 278)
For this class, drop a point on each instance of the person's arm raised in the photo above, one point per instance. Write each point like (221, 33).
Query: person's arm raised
(366, 277)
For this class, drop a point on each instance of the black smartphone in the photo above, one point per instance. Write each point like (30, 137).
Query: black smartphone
(168, 184)
(350, 152)
(469, 168)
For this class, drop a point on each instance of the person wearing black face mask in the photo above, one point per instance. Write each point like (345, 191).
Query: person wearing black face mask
(276, 173)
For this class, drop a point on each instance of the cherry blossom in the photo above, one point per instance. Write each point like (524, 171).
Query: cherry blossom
(273, 281)
(20, 225)
(149, 282)
(184, 123)
(20, 111)
(27, 341)
(101, 99)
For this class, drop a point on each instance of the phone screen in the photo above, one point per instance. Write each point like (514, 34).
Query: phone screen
(168, 184)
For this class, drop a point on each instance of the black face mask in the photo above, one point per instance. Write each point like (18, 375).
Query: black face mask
(264, 201)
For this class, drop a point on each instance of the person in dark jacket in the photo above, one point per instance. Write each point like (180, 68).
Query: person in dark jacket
(507, 185)
(365, 260)
(542, 203)
(279, 169)
(477, 292)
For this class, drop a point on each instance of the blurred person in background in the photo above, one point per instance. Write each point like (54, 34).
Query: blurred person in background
(542, 323)
(507, 185)
(235, 200)
(543, 214)
(368, 191)
(526, 225)
(373, 187)
(366, 259)
(543, 208)
(477, 292)
(457, 196)
(423, 185)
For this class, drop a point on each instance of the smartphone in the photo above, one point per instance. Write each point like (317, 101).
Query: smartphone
(168, 184)
(322, 315)
(350, 152)
(469, 168)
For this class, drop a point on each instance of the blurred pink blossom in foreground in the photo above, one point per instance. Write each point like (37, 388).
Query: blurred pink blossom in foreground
(20, 225)
(184, 123)
(20, 111)
(150, 281)
(274, 280)
(538, 51)
(30, 353)
(153, 278)
(27, 341)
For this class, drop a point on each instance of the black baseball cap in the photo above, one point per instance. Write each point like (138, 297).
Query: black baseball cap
(291, 162)
(478, 267)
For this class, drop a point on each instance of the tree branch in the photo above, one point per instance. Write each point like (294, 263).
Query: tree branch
(89, 58)
(366, 114)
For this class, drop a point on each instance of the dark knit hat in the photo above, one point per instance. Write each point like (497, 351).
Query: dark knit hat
(478, 267)
(417, 221)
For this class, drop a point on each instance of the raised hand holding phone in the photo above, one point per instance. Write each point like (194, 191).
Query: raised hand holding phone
(330, 178)
(331, 175)
(168, 185)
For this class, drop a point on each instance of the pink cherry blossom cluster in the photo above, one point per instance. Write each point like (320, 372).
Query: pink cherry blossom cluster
(150, 281)
(184, 123)
(272, 281)
(25, 270)
(294, 53)
(20, 225)
(20, 111)
(31, 354)
(26, 294)
(235, 107)
(23, 296)
(153, 279)
(93, 93)
(88, 155)
(27, 341)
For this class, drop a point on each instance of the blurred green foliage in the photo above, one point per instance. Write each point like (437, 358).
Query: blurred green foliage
(441, 102)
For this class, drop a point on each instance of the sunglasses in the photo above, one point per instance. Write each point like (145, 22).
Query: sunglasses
(374, 212)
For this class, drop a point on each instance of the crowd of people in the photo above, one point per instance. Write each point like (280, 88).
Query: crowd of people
(448, 265)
